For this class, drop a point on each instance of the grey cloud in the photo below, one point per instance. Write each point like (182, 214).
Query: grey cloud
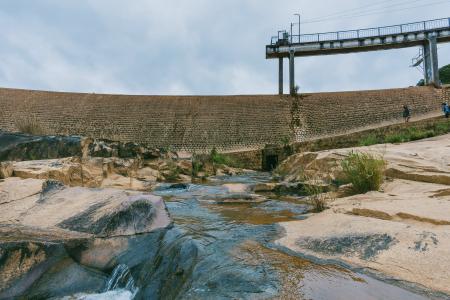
(184, 47)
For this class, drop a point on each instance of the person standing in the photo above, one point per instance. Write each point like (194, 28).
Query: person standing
(446, 109)
(406, 113)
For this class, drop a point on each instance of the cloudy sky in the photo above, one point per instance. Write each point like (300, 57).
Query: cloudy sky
(184, 47)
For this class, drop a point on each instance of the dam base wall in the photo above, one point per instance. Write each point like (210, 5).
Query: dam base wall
(199, 123)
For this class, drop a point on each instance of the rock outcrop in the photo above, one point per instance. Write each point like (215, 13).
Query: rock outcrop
(401, 232)
(98, 212)
(425, 161)
(19, 146)
(50, 231)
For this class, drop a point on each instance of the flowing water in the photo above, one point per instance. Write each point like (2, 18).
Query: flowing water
(223, 251)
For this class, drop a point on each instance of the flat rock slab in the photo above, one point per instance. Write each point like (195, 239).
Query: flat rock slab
(100, 212)
(401, 200)
(408, 252)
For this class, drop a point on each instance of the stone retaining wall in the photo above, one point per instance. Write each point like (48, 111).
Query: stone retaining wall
(199, 123)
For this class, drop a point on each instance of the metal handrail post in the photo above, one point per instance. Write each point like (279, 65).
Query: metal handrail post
(291, 33)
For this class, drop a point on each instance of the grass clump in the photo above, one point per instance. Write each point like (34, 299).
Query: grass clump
(173, 172)
(197, 167)
(29, 125)
(407, 135)
(217, 158)
(316, 195)
(414, 134)
(369, 140)
(364, 171)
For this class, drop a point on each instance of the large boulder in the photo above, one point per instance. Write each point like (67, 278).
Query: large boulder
(57, 240)
(99, 212)
(27, 253)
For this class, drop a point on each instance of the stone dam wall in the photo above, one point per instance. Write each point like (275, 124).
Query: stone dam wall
(199, 123)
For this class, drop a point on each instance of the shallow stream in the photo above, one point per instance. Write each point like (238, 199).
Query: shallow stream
(226, 251)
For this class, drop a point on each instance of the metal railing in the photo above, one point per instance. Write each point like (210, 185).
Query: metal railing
(415, 27)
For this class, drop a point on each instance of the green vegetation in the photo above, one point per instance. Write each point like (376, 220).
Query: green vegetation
(218, 158)
(222, 159)
(29, 125)
(197, 166)
(444, 75)
(371, 139)
(364, 171)
(173, 172)
(209, 163)
(407, 134)
(316, 194)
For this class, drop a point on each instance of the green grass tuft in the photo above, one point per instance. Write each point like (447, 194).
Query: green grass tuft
(407, 135)
(369, 140)
(364, 171)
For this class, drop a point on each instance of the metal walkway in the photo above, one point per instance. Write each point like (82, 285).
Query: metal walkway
(426, 34)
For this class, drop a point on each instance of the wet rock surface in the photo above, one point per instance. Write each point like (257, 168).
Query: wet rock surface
(365, 246)
(58, 241)
(211, 251)
(49, 241)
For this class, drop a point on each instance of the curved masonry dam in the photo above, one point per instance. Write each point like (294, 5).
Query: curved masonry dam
(199, 123)
(117, 230)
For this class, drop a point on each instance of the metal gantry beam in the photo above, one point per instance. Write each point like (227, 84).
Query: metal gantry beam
(425, 34)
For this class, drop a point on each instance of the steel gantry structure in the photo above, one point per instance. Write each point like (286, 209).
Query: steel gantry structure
(426, 34)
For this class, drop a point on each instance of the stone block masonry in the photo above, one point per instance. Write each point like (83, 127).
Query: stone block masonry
(199, 123)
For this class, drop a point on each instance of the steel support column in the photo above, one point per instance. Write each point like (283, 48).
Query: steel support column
(280, 76)
(431, 62)
(427, 72)
(434, 61)
(291, 73)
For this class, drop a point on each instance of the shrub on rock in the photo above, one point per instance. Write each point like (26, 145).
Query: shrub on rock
(364, 171)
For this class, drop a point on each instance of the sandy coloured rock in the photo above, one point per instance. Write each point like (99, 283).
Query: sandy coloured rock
(400, 232)
(100, 212)
(425, 160)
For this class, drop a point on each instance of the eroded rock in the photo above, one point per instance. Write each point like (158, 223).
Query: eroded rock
(17, 146)
(99, 212)
(49, 235)
(425, 161)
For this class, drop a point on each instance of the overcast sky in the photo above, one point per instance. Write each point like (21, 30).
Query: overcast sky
(184, 47)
